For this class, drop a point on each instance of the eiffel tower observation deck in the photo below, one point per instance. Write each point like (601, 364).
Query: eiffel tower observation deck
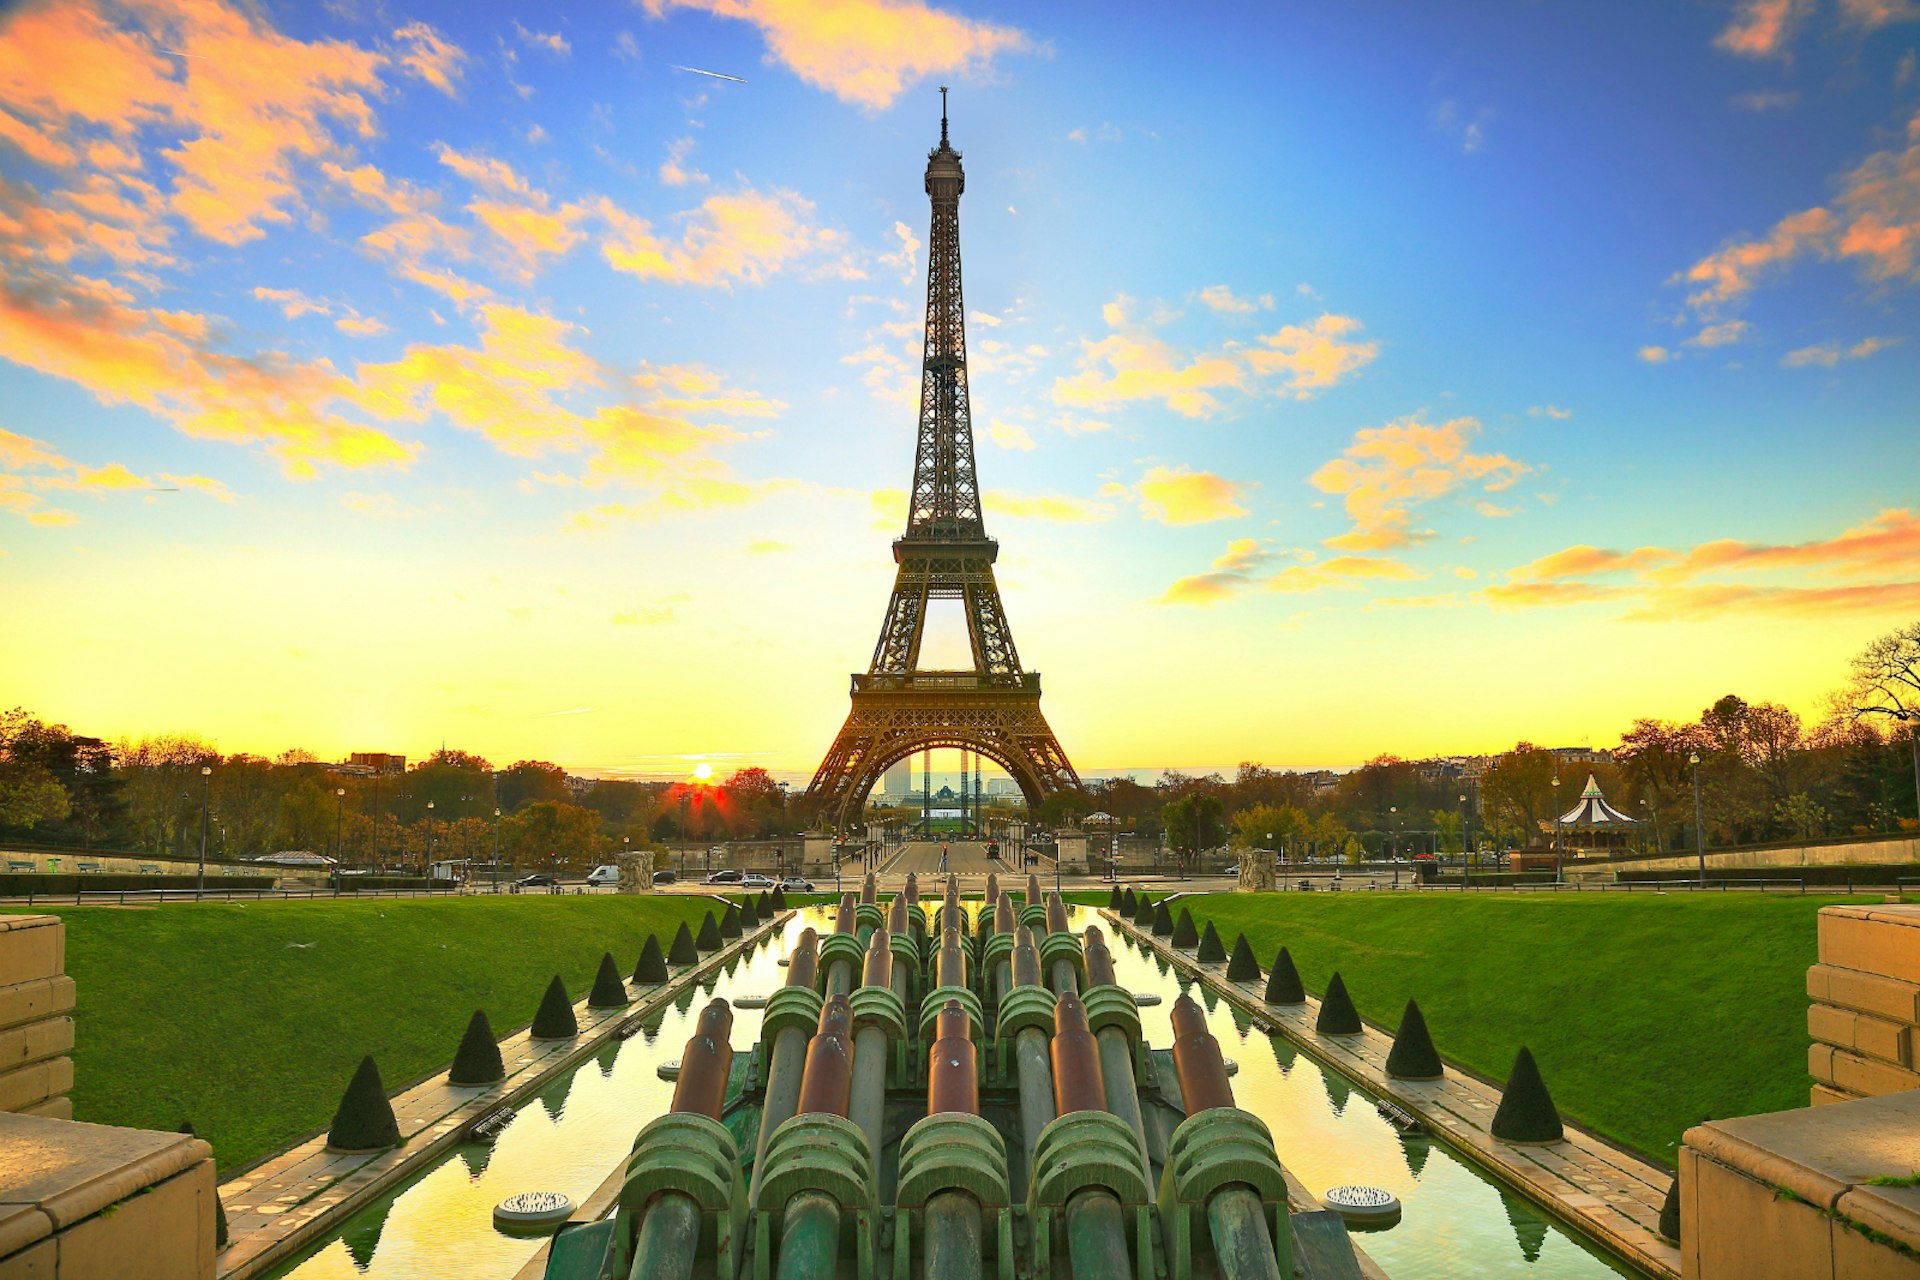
(992, 708)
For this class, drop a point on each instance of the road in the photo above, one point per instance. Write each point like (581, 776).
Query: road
(964, 857)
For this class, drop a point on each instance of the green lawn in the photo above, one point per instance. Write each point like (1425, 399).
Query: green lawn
(249, 1019)
(1648, 1013)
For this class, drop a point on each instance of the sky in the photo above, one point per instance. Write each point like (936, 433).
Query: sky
(1348, 377)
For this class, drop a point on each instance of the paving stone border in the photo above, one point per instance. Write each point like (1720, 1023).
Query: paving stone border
(1584, 1181)
(280, 1206)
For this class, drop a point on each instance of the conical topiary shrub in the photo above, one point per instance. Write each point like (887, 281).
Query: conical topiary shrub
(365, 1120)
(652, 965)
(779, 899)
(1283, 981)
(1337, 1017)
(1413, 1056)
(1113, 899)
(1212, 950)
(1128, 906)
(1143, 913)
(749, 914)
(477, 1060)
(1241, 966)
(1526, 1111)
(730, 922)
(608, 991)
(708, 939)
(555, 1020)
(763, 905)
(1184, 932)
(1162, 919)
(683, 951)
(1670, 1212)
(219, 1210)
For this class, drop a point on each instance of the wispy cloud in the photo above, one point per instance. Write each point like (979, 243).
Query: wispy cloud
(1180, 496)
(1388, 472)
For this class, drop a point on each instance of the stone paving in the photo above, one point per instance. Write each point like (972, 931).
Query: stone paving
(1597, 1188)
(275, 1208)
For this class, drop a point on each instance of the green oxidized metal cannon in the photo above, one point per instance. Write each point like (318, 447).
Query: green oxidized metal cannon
(924, 1106)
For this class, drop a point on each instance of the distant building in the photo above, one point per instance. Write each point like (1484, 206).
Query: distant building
(1002, 787)
(370, 763)
(1582, 755)
(898, 780)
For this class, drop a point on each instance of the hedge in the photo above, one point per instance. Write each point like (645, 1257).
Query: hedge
(21, 884)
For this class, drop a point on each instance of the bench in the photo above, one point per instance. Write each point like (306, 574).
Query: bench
(150, 868)
(87, 866)
(17, 864)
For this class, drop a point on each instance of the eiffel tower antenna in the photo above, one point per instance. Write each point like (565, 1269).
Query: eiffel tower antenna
(993, 707)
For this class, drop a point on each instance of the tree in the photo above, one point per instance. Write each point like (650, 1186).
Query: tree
(1653, 756)
(1446, 826)
(1885, 684)
(525, 781)
(1195, 823)
(29, 792)
(547, 834)
(1517, 793)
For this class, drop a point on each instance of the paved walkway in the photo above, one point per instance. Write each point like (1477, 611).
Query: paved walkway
(276, 1208)
(1599, 1189)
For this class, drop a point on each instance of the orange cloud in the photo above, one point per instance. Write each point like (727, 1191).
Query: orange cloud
(429, 55)
(1828, 354)
(1179, 496)
(1244, 564)
(1762, 28)
(865, 52)
(1388, 471)
(1133, 363)
(1669, 584)
(27, 465)
(746, 236)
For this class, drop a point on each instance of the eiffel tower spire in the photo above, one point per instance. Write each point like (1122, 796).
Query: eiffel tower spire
(993, 708)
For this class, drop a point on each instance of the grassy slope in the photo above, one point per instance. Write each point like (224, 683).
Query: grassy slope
(211, 1013)
(1647, 1013)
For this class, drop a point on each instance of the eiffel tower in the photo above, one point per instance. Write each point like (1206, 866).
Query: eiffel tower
(993, 709)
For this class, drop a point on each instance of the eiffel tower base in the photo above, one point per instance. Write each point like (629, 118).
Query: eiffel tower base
(1001, 722)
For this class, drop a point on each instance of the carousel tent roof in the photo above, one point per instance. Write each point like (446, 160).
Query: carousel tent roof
(1593, 810)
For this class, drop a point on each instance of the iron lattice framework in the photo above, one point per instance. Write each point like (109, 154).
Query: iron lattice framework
(945, 553)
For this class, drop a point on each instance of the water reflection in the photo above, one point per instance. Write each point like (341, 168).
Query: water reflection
(1456, 1223)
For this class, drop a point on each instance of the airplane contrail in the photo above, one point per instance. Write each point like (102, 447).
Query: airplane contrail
(717, 75)
(176, 53)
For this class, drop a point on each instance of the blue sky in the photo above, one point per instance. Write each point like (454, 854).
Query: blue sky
(1347, 378)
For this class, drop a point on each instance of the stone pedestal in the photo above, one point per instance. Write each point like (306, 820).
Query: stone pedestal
(817, 853)
(1788, 1194)
(1257, 872)
(36, 1016)
(636, 870)
(1070, 849)
(1865, 1015)
(86, 1201)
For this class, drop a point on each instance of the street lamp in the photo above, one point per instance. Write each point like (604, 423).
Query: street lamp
(339, 829)
(206, 782)
(496, 849)
(1283, 864)
(427, 858)
(1466, 872)
(1699, 831)
(1557, 872)
(1393, 811)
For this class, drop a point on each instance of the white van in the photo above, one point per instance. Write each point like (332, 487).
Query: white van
(603, 876)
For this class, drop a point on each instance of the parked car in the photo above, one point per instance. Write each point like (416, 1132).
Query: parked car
(794, 884)
(538, 879)
(756, 881)
(664, 877)
(724, 877)
(604, 875)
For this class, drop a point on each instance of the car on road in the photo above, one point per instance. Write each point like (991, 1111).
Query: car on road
(756, 881)
(794, 884)
(664, 877)
(724, 877)
(537, 880)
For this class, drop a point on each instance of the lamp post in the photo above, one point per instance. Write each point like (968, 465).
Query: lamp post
(339, 831)
(1643, 825)
(1466, 872)
(428, 862)
(496, 849)
(206, 783)
(1699, 831)
(1283, 864)
(1393, 857)
(1557, 872)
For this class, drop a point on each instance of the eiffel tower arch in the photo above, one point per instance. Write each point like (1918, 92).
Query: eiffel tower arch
(992, 708)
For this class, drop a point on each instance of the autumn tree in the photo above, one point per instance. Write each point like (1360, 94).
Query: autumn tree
(1517, 793)
(525, 781)
(1885, 685)
(29, 792)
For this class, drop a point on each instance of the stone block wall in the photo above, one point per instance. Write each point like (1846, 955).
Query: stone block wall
(36, 1017)
(1866, 1003)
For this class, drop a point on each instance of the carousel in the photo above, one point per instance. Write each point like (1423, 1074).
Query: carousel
(1593, 828)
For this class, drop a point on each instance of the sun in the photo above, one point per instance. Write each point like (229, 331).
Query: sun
(703, 772)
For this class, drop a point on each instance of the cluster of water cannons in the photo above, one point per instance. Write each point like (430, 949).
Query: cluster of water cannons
(1015, 1004)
